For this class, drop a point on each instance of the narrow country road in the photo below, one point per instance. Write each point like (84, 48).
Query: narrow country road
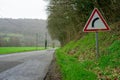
(25, 66)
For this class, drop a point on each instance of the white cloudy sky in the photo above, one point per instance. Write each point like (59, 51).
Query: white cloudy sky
(23, 9)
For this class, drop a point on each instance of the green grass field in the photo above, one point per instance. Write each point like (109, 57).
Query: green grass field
(8, 50)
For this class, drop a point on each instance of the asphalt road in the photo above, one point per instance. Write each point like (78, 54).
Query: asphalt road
(25, 66)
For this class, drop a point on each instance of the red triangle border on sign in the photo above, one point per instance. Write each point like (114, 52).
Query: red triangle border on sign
(96, 30)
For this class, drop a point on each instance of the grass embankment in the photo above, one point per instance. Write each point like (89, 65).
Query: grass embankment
(77, 59)
(8, 50)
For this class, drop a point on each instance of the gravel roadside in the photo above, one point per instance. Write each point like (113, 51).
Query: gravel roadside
(54, 71)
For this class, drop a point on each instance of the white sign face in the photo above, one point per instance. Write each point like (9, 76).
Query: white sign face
(96, 22)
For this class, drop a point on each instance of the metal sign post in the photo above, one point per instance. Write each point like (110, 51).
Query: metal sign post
(36, 41)
(97, 45)
(45, 40)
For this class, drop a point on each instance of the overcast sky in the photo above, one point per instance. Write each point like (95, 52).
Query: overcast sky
(23, 9)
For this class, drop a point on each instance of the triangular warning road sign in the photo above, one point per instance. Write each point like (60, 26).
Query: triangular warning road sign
(96, 22)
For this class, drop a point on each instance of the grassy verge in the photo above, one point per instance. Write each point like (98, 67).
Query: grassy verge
(105, 68)
(72, 69)
(8, 50)
(78, 62)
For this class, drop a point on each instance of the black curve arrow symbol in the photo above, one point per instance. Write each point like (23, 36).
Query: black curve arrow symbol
(94, 21)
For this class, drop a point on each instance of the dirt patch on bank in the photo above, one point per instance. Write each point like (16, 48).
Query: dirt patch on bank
(54, 71)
